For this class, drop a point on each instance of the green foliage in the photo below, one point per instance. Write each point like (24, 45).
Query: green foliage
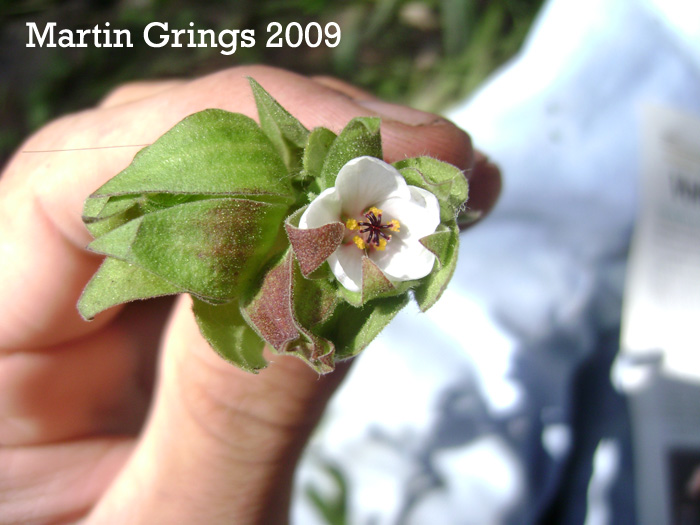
(314, 245)
(118, 282)
(286, 322)
(316, 151)
(211, 248)
(227, 332)
(446, 182)
(237, 157)
(360, 137)
(287, 134)
(353, 328)
(444, 244)
(450, 186)
(211, 209)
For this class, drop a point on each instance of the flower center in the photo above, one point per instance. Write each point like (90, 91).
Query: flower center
(372, 233)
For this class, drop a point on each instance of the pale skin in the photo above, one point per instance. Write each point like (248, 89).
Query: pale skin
(132, 418)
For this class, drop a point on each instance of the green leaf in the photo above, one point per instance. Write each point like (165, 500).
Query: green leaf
(97, 208)
(159, 201)
(98, 227)
(434, 284)
(314, 301)
(212, 152)
(272, 313)
(445, 181)
(352, 329)
(117, 243)
(228, 333)
(118, 282)
(286, 133)
(359, 138)
(350, 297)
(212, 248)
(317, 148)
(322, 272)
(314, 245)
(374, 282)
(440, 243)
(104, 214)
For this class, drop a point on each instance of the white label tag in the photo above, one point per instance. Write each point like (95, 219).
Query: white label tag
(661, 308)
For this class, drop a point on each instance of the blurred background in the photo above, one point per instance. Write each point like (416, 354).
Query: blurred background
(426, 53)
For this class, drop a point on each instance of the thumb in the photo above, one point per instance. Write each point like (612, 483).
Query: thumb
(220, 444)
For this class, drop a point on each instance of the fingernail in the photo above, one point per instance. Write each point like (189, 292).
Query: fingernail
(480, 158)
(467, 217)
(403, 114)
(484, 188)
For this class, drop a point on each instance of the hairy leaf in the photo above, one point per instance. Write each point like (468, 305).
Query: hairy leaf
(445, 181)
(360, 137)
(212, 248)
(313, 246)
(317, 148)
(272, 312)
(286, 133)
(434, 284)
(210, 152)
(352, 329)
(227, 332)
(440, 243)
(118, 282)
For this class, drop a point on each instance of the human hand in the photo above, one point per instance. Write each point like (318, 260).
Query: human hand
(132, 418)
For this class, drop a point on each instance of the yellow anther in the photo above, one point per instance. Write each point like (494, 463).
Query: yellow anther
(382, 244)
(377, 212)
(394, 225)
(360, 242)
(351, 224)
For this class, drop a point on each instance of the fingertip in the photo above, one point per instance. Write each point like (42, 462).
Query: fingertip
(485, 186)
(440, 139)
(345, 88)
(409, 132)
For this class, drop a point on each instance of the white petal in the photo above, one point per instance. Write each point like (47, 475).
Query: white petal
(418, 217)
(426, 200)
(404, 260)
(346, 265)
(324, 209)
(365, 181)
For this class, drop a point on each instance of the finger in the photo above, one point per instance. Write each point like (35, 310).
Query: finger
(485, 185)
(100, 384)
(47, 267)
(58, 483)
(237, 434)
(137, 90)
(340, 86)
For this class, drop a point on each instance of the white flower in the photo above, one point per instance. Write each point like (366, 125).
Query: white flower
(384, 219)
